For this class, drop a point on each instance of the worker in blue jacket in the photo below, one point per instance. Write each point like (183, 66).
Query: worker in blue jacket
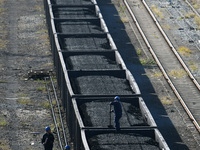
(117, 111)
(48, 139)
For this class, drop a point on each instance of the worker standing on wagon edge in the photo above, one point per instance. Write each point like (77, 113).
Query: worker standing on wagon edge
(48, 139)
(117, 111)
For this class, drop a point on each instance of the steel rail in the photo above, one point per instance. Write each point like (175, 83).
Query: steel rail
(193, 9)
(61, 120)
(160, 65)
(53, 114)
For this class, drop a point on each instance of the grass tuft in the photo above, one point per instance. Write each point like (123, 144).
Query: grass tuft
(195, 3)
(189, 15)
(4, 144)
(167, 27)
(3, 121)
(47, 65)
(47, 105)
(156, 74)
(1, 11)
(42, 89)
(193, 67)
(196, 6)
(166, 100)
(3, 81)
(2, 44)
(139, 52)
(147, 62)
(39, 8)
(184, 51)
(24, 100)
(2, 1)
(178, 73)
(42, 31)
(124, 19)
(197, 21)
(157, 11)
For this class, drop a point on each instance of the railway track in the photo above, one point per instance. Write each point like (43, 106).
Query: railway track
(56, 112)
(186, 88)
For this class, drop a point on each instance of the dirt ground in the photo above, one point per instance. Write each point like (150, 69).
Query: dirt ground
(24, 45)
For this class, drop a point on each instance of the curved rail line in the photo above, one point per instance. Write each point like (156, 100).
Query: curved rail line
(60, 120)
(160, 65)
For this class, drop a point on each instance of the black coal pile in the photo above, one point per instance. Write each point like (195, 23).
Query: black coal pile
(70, 2)
(102, 84)
(91, 62)
(75, 12)
(85, 43)
(122, 141)
(71, 27)
(96, 113)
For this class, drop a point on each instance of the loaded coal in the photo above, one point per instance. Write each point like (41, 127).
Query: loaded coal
(69, 2)
(122, 141)
(78, 26)
(101, 85)
(91, 62)
(95, 113)
(84, 43)
(75, 12)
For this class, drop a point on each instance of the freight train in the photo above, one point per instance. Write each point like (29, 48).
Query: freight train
(90, 73)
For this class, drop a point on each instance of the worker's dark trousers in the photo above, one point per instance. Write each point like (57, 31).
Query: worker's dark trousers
(117, 125)
(48, 148)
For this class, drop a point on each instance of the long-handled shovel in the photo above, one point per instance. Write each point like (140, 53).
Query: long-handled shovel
(110, 126)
